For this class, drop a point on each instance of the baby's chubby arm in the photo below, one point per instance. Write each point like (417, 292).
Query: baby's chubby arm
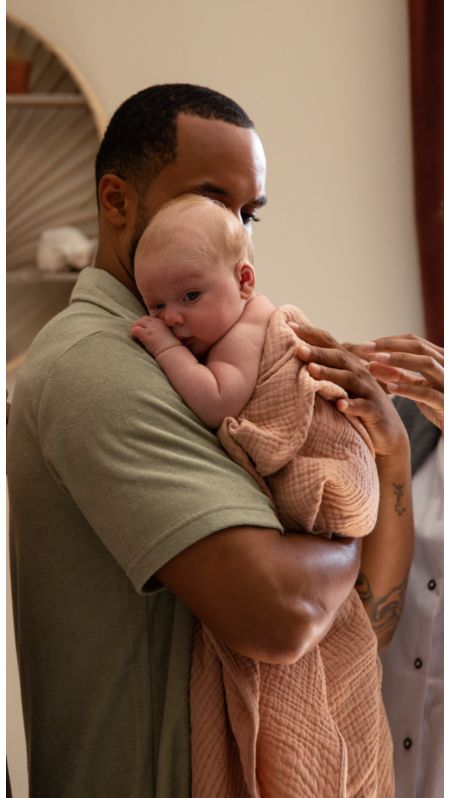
(222, 386)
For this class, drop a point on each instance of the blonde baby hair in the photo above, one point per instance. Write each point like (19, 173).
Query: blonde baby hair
(222, 236)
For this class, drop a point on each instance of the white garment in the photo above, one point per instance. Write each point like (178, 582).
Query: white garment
(413, 663)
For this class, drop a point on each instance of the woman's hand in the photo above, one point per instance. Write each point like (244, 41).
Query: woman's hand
(408, 366)
(366, 399)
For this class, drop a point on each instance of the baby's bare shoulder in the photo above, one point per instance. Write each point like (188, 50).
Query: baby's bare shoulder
(257, 311)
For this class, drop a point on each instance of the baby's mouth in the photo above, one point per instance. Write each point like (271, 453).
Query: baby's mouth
(188, 342)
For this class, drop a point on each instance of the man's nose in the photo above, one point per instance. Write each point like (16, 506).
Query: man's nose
(172, 317)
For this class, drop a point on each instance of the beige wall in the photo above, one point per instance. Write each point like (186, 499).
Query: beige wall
(326, 82)
(327, 85)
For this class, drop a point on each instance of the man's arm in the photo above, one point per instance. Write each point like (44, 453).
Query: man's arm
(163, 498)
(270, 597)
(387, 551)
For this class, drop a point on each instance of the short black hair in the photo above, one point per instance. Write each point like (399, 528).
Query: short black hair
(141, 137)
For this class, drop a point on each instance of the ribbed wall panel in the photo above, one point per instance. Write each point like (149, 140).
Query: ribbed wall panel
(50, 182)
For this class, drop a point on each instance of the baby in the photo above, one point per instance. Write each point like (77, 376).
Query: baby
(206, 328)
(231, 355)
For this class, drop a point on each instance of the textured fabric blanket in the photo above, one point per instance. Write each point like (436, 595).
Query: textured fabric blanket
(314, 729)
(317, 728)
(316, 464)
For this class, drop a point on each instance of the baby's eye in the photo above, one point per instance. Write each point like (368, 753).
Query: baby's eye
(191, 296)
(155, 309)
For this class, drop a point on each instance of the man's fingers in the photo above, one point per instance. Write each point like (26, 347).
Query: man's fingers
(362, 408)
(353, 383)
(313, 335)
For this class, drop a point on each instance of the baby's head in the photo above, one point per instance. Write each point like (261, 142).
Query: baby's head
(192, 228)
(193, 268)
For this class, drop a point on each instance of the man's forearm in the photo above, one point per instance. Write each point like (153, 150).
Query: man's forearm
(387, 551)
(270, 597)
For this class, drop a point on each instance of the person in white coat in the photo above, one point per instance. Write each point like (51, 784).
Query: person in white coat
(412, 687)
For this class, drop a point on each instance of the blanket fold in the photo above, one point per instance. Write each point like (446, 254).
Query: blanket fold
(317, 465)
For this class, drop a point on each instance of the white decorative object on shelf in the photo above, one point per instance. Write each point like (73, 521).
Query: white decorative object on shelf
(51, 141)
(60, 248)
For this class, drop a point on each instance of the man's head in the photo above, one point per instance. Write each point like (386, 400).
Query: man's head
(166, 141)
(193, 268)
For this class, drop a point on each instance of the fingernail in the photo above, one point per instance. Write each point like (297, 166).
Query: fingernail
(392, 387)
(382, 356)
(368, 346)
(343, 404)
(304, 350)
(315, 367)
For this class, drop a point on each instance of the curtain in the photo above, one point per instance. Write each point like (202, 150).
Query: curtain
(426, 60)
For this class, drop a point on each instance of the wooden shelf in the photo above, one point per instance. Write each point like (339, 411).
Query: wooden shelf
(35, 276)
(45, 100)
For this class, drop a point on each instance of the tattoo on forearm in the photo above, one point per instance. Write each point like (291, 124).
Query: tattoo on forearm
(384, 613)
(399, 492)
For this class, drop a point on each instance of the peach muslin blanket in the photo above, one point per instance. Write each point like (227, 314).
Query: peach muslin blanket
(316, 465)
(314, 729)
(317, 728)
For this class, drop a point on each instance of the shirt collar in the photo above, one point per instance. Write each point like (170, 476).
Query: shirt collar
(98, 287)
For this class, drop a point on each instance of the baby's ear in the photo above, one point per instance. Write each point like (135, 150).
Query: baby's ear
(246, 278)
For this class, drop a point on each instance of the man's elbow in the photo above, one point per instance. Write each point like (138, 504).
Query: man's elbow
(294, 635)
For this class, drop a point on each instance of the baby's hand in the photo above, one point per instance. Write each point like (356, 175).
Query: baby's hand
(154, 334)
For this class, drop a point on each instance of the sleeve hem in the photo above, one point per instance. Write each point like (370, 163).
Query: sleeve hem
(189, 532)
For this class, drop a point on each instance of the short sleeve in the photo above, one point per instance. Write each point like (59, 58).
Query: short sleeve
(147, 475)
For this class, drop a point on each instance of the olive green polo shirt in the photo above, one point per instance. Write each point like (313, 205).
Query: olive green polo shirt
(110, 476)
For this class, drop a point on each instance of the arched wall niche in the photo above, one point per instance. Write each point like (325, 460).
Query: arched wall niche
(52, 136)
(34, 41)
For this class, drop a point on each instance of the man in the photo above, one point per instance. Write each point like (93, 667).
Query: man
(126, 515)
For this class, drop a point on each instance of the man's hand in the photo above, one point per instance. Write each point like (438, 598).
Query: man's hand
(387, 551)
(329, 360)
(154, 334)
(408, 366)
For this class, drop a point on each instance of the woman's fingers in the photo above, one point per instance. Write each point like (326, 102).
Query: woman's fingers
(422, 394)
(427, 393)
(428, 366)
(411, 344)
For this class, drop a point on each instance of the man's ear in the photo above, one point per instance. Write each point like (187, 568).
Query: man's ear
(246, 277)
(114, 199)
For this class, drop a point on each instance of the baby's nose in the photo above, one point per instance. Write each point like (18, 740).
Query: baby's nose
(172, 317)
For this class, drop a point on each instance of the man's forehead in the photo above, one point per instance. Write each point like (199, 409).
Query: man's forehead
(213, 135)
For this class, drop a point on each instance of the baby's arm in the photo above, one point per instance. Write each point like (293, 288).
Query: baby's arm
(224, 385)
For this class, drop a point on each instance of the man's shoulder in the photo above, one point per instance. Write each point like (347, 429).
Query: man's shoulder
(81, 350)
(100, 314)
(71, 335)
